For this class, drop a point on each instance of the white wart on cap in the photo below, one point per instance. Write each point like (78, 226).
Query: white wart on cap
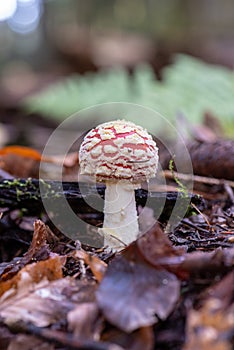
(122, 155)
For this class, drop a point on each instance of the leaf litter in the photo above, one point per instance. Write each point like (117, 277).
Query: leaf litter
(162, 292)
(119, 300)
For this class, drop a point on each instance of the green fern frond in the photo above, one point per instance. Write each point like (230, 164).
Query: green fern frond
(189, 86)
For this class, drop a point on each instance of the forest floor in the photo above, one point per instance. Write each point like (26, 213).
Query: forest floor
(172, 288)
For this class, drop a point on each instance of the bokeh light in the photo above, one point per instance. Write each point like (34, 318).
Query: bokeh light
(7, 9)
(26, 17)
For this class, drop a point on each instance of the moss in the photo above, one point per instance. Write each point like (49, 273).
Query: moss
(26, 189)
(181, 186)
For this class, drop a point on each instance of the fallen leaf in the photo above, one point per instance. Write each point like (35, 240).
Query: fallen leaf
(97, 266)
(41, 303)
(133, 292)
(29, 342)
(156, 248)
(19, 166)
(211, 326)
(50, 269)
(22, 151)
(24, 162)
(20, 161)
(197, 262)
(83, 321)
(38, 250)
(41, 237)
(223, 290)
(142, 338)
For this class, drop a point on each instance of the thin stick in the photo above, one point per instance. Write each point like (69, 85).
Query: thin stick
(229, 192)
(197, 178)
(203, 215)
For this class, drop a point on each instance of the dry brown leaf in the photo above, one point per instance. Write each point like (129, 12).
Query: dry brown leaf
(82, 321)
(41, 237)
(198, 262)
(19, 166)
(24, 162)
(211, 326)
(97, 266)
(40, 303)
(142, 338)
(29, 342)
(45, 303)
(38, 250)
(20, 161)
(156, 248)
(207, 329)
(132, 292)
(50, 269)
(136, 287)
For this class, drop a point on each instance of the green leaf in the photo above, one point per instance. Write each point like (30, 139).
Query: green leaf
(189, 86)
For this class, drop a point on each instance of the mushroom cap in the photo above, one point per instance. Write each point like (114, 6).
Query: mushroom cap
(119, 150)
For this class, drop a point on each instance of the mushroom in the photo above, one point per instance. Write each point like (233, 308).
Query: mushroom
(122, 155)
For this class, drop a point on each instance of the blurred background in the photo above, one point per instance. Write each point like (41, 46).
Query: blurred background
(57, 57)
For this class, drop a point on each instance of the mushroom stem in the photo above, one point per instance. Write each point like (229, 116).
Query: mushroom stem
(120, 225)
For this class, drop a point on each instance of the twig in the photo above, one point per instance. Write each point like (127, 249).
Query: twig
(203, 215)
(61, 338)
(186, 222)
(229, 191)
(197, 178)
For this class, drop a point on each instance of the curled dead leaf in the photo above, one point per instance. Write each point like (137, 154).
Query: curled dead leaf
(50, 269)
(38, 250)
(156, 248)
(134, 294)
(31, 296)
(97, 266)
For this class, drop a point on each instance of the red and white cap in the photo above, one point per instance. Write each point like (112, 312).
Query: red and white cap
(119, 150)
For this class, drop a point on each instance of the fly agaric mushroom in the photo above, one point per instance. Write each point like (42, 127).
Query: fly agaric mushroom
(122, 155)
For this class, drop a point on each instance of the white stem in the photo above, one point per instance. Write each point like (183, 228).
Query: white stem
(120, 225)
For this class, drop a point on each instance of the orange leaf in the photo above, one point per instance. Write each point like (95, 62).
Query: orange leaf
(50, 269)
(97, 266)
(21, 151)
